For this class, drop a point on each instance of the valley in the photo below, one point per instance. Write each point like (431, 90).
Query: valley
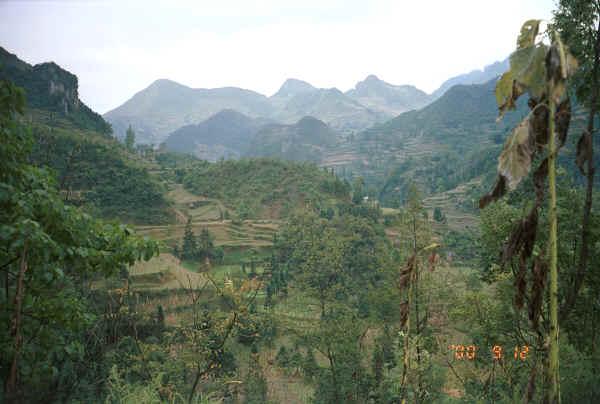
(377, 245)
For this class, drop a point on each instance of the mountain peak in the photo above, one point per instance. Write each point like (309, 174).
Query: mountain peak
(292, 87)
(371, 78)
(164, 83)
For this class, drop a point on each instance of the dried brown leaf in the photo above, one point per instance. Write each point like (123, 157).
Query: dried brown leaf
(406, 272)
(539, 181)
(497, 193)
(522, 238)
(538, 284)
(514, 162)
(521, 283)
(433, 259)
(562, 120)
(404, 310)
(539, 124)
(584, 151)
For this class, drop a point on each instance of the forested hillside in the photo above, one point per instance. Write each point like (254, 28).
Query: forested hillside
(307, 140)
(270, 187)
(226, 134)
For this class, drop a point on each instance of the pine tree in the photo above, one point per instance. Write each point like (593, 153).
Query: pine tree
(205, 245)
(189, 247)
(129, 138)
(309, 366)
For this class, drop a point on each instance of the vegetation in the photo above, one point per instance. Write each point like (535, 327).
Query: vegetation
(50, 88)
(100, 176)
(280, 281)
(266, 187)
(50, 251)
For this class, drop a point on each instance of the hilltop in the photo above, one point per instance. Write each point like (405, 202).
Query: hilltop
(226, 134)
(266, 187)
(51, 88)
(166, 106)
(93, 170)
(306, 140)
(387, 98)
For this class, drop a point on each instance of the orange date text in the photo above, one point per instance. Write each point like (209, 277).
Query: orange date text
(497, 352)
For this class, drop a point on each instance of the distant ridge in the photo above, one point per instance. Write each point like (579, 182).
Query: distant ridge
(474, 77)
(166, 106)
(226, 134)
(388, 98)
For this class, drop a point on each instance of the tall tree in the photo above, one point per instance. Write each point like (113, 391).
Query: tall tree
(578, 22)
(189, 246)
(129, 138)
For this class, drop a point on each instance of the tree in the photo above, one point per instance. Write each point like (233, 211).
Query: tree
(48, 253)
(189, 246)
(578, 22)
(415, 226)
(129, 138)
(205, 245)
(357, 196)
(438, 216)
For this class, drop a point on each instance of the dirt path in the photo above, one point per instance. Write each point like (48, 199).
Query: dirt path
(181, 218)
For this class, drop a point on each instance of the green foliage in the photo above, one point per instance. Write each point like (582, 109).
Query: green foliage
(577, 22)
(129, 138)
(99, 176)
(201, 248)
(49, 251)
(310, 366)
(50, 88)
(255, 383)
(259, 186)
(303, 141)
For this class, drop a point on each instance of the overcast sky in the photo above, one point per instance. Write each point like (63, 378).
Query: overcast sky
(118, 48)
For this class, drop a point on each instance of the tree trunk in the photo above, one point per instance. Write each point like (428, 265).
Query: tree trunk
(406, 359)
(11, 393)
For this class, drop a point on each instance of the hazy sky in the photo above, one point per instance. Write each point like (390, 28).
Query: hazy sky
(117, 48)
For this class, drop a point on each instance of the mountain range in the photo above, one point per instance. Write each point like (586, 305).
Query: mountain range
(474, 77)
(165, 106)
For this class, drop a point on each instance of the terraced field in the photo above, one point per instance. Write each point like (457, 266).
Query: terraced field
(459, 218)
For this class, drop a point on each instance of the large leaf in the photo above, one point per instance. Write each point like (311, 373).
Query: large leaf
(529, 31)
(514, 162)
(507, 92)
(528, 68)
